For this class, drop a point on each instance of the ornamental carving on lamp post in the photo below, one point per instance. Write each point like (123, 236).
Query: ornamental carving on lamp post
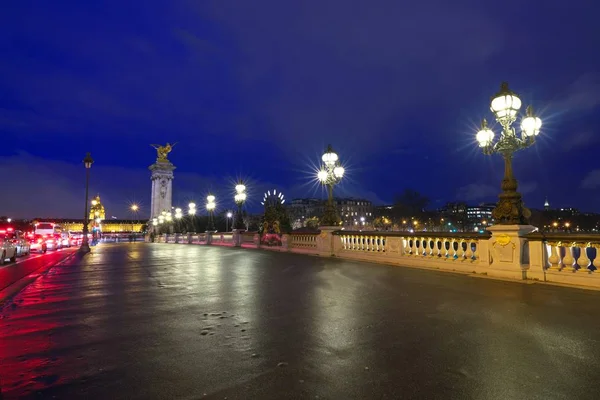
(505, 105)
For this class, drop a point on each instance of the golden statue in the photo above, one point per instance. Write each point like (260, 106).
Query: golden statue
(163, 151)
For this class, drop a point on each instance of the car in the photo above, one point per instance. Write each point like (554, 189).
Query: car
(38, 243)
(51, 242)
(19, 239)
(8, 249)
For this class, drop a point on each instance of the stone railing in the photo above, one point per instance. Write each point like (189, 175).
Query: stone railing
(565, 258)
(222, 238)
(302, 241)
(450, 251)
(506, 252)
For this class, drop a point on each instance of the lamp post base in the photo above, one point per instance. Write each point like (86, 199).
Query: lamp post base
(330, 216)
(510, 210)
(85, 248)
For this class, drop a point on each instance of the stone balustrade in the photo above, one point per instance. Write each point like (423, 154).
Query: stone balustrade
(505, 252)
(564, 257)
(302, 241)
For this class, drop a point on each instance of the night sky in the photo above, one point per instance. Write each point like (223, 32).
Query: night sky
(257, 89)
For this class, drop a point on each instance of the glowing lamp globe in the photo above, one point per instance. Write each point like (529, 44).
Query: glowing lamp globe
(94, 202)
(485, 136)
(338, 172)
(178, 211)
(229, 215)
(210, 206)
(191, 206)
(531, 125)
(169, 217)
(240, 188)
(154, 222)
(329, 158)
(210, 198)
(505, 104)
(322, 175)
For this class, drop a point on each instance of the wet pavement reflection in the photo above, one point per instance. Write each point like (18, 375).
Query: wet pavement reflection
(160, 321)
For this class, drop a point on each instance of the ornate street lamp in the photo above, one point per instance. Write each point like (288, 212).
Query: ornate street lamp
(329, 175)
(210, 207)
(505, 106)
(85, 244)
(240, 199)
(227, 218)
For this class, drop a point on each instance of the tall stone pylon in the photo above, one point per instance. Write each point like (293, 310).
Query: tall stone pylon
(162, 181)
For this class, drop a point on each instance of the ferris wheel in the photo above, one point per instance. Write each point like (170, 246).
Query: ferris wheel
(272, 198)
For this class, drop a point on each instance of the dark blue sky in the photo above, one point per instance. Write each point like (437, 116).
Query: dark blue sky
(258, 88)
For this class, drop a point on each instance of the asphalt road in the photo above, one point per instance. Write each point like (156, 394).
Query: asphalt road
(12, 272)
(160, 321)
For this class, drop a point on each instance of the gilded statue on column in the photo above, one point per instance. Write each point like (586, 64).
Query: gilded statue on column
(163, 151)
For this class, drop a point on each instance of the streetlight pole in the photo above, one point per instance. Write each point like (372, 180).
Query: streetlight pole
(85, 244)
(227, 217)
(210, 207)
(510, 209)
(134, 210)
(192, 214)
(240, 198)
(329, 175)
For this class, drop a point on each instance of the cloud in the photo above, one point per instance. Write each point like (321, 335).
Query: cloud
(583, 94)
(578, 140)
(476, 191)
(591, 180)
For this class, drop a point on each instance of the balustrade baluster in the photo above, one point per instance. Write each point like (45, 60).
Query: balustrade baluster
(406, 245)
(583, 261)
(596, 262)
(554, 258)
(434, 247)
(427, 247)
(443, 249)
(460, 254)
(568, 260)
(415, 249)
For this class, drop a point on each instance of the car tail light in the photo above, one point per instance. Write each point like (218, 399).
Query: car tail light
(40, 240)
(9, 229)
(50, 240)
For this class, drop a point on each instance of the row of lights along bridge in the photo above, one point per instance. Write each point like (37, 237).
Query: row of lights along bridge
(509, 210)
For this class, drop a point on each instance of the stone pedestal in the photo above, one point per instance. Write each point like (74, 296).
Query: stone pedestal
(509, 251)
(237, 237)
(162, 187)
(325, 241)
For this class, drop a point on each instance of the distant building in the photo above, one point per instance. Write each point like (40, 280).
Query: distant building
(353, 211)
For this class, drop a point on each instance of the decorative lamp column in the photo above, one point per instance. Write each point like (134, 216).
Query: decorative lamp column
(505, 105)
(192, 214)
(330, 174)
(210, 207)
(240, 199)
(85, 244)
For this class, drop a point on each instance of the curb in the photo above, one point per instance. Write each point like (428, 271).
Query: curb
(9, 292)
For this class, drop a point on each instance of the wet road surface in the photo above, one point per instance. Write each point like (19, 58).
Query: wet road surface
(161, 321)
(12, 272)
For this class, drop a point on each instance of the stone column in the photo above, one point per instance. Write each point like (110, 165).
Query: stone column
(162, 187)
(325, 242)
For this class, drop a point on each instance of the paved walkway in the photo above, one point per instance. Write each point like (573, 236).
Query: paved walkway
(160, 321)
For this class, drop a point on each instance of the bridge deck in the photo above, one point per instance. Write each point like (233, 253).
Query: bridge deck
(160, 321)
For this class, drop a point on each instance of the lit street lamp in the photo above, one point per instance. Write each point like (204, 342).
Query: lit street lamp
(192, 214)
(505, 105)
(210, 207)
(134, 209)
(227, 218)
(329, 175)
(85, 244)
(240, 199)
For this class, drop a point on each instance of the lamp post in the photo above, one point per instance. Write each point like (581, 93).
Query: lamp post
(210, 207)
(192, 214)
(240, 198)
(178, 216)
(134, 209)
(85, 244)
(329, 175)
(227, 218)
(510, 209)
